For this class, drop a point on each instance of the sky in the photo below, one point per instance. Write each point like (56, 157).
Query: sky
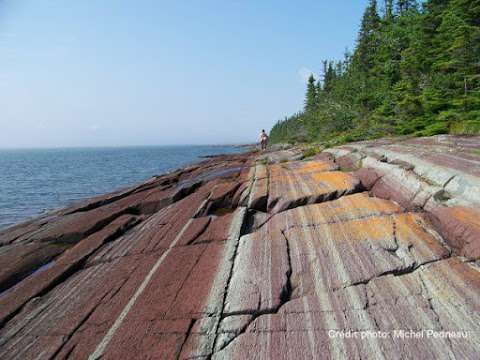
(155, 72)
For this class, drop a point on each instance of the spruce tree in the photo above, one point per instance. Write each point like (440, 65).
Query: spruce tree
(406, 5)
(458, 49)
(388, 10)
(329, 77)
(367, 39)
(311, 96)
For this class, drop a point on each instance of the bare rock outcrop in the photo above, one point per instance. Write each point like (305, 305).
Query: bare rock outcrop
(363, 251)
(438, 175)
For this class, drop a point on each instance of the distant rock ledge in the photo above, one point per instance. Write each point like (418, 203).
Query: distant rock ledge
(259, 255)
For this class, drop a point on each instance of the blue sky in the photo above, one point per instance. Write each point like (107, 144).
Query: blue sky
(145, 72)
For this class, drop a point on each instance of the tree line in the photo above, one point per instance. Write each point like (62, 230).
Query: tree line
(415, 70)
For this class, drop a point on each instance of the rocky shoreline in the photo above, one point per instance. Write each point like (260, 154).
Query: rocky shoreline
(258, 255)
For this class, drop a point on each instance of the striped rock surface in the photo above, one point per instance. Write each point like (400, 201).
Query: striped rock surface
(439, 175)
(241, 257)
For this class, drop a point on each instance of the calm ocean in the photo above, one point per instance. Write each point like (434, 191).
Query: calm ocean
(35, 181)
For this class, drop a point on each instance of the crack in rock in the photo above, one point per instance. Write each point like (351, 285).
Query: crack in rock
(285, 296)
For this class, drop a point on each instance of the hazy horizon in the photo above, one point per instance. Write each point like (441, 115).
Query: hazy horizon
(113, 73)
(61, 147)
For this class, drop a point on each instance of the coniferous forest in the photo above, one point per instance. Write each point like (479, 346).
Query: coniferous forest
(415, 70)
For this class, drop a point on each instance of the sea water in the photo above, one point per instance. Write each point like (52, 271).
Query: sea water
(33, 181)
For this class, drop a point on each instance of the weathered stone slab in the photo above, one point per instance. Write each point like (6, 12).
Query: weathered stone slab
(10, 234)
(221, 196)
(368, 177)
(161, 229)
(349, 207)
(454, 153)
(389, 304)
(282, 156)
(260, 274)
(191, 300)
(351, 161)
(18, 261)
(196, 228)
(40, 281)
(253, 190)
(218, 229)
(309, 344)
(65, 309)
(288, 189)
(460, 226)
(213, 170)
(258, 195)
(229, 328)
(306, 167)
(261, 171)
(183, 283)
(191, 283)
(248, 170)
(356, 251)
(337, 152)
(443, 161)
(240, 197)
(398, 184)
(162, 339)
(457, 303)
(34, 249)
(235, 323)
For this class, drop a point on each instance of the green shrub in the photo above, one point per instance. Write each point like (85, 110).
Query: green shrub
(312, 151)
(466, 128)
(434, 129)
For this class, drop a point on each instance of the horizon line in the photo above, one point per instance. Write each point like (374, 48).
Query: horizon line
(116, 146)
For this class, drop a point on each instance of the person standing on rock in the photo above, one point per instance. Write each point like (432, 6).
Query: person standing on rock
(263, 140)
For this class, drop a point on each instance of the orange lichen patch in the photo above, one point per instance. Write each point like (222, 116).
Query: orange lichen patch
(351, 207)
(292, 189)
(467, 215)
(411, 229)
(375, 229)
(315, 166)
(346, 208)
(353, 251)
(364, 203)
(307, 167)
(334, 179)
(299, 168)
(343, 252)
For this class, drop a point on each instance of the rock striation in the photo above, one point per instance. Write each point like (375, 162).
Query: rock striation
(259, 256)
